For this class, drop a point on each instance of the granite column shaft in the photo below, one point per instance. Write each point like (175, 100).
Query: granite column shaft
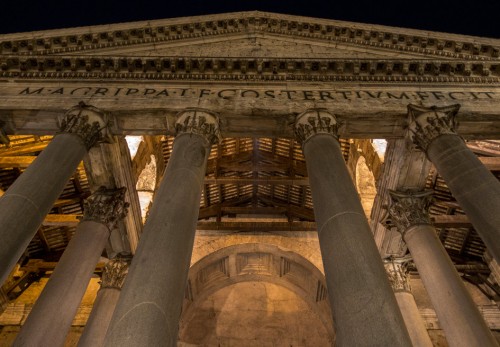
(50, 319)
(364, 308)
(470, 182)
(104, 305)
(25, 204)
(149, 307)
(457, 313)
(398, 276)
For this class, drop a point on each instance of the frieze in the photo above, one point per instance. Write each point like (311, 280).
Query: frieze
(249, 69)
(319, 95)
(200, 27)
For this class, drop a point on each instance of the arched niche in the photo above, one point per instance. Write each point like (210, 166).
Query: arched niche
(256, 263)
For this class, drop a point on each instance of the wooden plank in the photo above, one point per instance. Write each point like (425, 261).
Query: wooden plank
(61, 220)
(491, 163)
(303, 181)
(257, 226)
(451, 221)
(16, 161)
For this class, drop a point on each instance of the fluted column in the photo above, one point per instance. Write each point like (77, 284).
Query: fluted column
(364, 308)
(28, 200)
(397, 271)
(433, 130)
(97, 325)
(457, 313)
(149, 308)
(51, 316)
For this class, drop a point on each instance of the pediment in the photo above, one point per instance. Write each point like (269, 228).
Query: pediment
(252, 34)
(256, 45)
(251, 46)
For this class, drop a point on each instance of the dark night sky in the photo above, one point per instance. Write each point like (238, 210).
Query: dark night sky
(478, 17)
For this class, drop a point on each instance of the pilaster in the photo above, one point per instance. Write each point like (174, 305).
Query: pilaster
(397, 272)
(114, 273)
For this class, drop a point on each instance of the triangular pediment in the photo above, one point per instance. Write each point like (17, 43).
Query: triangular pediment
(251, 34)
(249, 46)
(255, 45)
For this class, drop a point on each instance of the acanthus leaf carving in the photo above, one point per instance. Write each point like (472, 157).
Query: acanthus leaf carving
(315, 121)
(200, 122)
(106, 206)
(114, 273)
(428, 123)
(409, 208)
(87, 122)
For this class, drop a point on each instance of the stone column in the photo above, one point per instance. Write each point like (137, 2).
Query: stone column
(97, 325)
(149, 308)
(397, 271)
(364, 308)
(4, 140)
(432, 129)
(51, 316)
(457, 313)
(28, 200)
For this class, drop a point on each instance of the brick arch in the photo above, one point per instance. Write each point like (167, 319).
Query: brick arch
(256, 262)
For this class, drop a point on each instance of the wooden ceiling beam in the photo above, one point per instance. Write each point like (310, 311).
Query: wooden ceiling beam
(257, 226)
(299, 181)
(451, 221)
(491, 163)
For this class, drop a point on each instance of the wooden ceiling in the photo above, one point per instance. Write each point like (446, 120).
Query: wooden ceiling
(252, 185)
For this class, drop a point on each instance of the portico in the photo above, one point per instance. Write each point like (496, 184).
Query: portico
(260, 142)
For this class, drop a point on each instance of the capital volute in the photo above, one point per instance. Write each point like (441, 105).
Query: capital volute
(428, 123)
(106, 206)
(114, 273)
(397, 272)
(409, 208)
(315, 121)
(87, 122)
(200, 122)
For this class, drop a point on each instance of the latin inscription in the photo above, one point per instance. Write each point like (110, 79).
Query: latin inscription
(283, 94)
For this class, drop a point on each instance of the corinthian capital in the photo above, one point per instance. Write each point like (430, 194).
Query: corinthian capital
(114, 273)
(106, 206)
(397, 272)
(409, 208)
(88, 122)
(200, 122)
(427, 123)
(315, 121)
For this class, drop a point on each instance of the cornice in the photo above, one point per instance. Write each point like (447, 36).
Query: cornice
(249, 69)
(66, 41)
